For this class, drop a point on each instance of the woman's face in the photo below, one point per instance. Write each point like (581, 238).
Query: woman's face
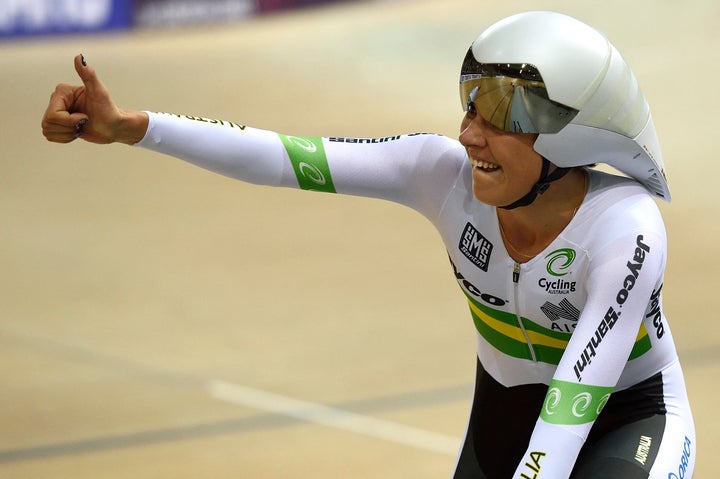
(505, 165)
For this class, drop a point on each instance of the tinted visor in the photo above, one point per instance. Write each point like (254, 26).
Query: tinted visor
(511, 97)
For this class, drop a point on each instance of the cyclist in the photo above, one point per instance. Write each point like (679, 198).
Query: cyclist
(562, 265)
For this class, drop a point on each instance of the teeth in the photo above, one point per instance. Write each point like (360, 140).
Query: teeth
(484, 165)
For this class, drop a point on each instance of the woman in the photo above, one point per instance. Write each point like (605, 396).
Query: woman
(562, 265)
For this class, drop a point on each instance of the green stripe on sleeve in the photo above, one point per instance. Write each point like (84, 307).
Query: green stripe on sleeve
(572, 403)
(309, 161)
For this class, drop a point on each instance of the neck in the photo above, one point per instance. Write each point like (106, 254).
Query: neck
(528, 230)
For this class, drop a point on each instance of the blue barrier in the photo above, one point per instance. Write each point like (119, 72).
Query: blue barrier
(25, 18)
(21, 18)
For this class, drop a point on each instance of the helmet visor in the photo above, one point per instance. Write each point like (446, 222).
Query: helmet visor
(511, 97)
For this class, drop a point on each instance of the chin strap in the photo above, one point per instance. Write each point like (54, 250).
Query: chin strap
(541, 186)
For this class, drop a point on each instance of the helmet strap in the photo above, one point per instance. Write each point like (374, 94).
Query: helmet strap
(541, 186)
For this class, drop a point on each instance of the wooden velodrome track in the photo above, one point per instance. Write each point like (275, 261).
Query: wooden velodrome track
(159, 321)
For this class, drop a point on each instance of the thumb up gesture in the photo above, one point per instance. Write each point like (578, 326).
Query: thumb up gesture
(87, 111)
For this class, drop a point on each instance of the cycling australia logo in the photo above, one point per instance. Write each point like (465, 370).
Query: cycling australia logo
(558, 264)
(475, 247)
(559, 261)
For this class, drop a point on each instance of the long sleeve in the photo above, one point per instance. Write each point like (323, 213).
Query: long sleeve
(622, 277)
(416, 170)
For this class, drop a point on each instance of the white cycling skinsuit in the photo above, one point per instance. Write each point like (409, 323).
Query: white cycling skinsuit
(577, 370)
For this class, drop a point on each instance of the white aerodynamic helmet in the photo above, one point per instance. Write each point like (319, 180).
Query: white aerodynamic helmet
(548, 73)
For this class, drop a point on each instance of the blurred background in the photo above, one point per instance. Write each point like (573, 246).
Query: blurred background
(159, 321)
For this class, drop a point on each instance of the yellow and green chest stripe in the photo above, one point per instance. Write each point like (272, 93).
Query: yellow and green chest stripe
(503, 331)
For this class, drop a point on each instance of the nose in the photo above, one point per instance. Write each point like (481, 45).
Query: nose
(474, 131)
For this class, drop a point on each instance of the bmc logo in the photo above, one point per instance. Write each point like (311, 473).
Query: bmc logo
(475, 247)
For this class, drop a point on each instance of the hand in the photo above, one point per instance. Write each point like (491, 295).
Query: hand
(88, 112)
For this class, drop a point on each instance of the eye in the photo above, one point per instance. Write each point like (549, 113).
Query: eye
(470, 110)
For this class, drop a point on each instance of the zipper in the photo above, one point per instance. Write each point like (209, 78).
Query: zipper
(516, 286)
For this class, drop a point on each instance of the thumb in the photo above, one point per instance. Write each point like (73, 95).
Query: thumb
(88, 75)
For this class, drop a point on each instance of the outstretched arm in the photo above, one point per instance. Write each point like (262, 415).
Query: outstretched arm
(417, 170)
(87, 111)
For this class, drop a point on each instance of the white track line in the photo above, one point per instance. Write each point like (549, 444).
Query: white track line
(333, 417)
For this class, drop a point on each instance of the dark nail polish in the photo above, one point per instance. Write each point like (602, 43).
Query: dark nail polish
(82, 59)
(79, 127)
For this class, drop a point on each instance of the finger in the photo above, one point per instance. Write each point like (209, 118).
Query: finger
(61, 107)
(61, 100)
(62, 135)
(58, 123)
(89, 77)
(61, 138)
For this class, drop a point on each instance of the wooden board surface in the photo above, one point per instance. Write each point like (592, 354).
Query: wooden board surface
(160, 321)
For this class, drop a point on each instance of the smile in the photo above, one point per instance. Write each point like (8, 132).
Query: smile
(483, 165)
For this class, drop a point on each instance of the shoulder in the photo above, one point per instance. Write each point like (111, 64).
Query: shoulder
(437, 150)
(432, 141)
(616, 197)
(617, 207)
(416, 150)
